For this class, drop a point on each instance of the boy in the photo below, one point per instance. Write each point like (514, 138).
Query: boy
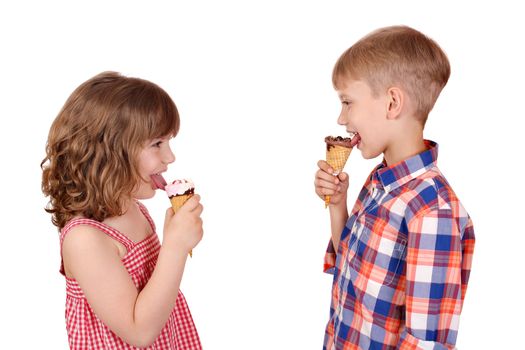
(401, 259)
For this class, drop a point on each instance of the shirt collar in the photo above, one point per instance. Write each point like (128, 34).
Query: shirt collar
(391, 177)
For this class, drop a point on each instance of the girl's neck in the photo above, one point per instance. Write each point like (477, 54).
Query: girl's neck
(127, 205)
(132, 222)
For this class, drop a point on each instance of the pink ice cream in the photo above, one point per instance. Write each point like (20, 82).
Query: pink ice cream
(179, 188)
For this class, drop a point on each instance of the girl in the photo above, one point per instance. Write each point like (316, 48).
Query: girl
(122, 285)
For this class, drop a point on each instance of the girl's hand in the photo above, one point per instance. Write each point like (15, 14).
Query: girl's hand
(327, 184)
(184, 229)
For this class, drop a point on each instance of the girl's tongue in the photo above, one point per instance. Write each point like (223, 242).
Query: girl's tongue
(158, 181)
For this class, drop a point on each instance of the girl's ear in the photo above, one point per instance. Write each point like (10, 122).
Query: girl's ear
(396, 101)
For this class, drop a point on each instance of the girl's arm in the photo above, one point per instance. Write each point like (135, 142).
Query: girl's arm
(93, 260)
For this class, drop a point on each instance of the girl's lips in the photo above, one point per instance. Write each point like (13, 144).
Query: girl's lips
(158, 181)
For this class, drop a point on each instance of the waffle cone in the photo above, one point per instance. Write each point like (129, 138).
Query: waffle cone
(178, 201)
(337, 156)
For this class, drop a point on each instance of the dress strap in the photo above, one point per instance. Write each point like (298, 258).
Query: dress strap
(108, 230)
(145, 212)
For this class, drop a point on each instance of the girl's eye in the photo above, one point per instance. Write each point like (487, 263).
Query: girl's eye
(157, 144)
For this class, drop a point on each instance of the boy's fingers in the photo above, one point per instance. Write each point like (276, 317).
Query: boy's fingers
(322, 175)
(323, 165)
(325, 184)
(327, 191)
(343, 177)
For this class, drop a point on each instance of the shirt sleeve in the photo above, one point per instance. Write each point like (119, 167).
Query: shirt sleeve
(329, 258)
(433, 281)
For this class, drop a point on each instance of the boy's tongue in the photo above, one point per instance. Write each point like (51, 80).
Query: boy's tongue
(158, 181)
(355, 140)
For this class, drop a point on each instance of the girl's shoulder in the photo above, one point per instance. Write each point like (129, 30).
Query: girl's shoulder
(88, 229)
(83, 235)
(84, 239)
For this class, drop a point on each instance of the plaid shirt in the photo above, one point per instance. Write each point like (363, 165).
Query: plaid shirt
(403, 261)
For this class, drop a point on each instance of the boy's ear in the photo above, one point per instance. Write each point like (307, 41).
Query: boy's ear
(396, 100)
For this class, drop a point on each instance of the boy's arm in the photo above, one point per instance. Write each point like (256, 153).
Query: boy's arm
(336, 187)
(439, 252)
(338, 218)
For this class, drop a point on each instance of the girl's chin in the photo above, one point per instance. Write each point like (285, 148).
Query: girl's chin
(144, 193)
(142, 197)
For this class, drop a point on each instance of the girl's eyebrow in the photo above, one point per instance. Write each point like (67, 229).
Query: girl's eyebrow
(160, 138)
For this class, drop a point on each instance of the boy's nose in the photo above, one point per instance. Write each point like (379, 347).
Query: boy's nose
(341, 120)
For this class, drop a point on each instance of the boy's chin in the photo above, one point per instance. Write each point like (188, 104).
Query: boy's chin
(370, 155)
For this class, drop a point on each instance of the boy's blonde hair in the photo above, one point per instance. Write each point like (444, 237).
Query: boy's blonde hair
(93, 145)
(397, 56)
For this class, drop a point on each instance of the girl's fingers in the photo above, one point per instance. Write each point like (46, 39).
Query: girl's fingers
(192, 203)
(198, 210)
(169, 214)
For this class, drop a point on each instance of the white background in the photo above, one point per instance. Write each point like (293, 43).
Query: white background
(252, 81)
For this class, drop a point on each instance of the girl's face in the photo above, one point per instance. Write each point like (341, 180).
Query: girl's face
(153, 159)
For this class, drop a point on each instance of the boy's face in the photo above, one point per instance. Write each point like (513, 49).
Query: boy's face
(364, 114)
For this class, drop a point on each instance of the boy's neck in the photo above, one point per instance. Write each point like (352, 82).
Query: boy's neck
(404, 148)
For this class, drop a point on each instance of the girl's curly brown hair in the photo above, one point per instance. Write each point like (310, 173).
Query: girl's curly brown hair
(92, 149)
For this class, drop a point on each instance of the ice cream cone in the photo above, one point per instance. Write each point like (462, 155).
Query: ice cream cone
(337, 152)
(179, 192)
(177, 202)
(337, 156)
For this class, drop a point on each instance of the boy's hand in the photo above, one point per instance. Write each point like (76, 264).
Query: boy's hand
(183, 229)
(327, 184)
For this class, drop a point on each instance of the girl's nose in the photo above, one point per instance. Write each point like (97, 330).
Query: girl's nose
(169, 156)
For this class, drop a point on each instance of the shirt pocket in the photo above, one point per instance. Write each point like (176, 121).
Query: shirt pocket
(383, 253)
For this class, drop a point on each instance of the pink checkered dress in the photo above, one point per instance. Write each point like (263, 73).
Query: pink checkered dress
(86, 331)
